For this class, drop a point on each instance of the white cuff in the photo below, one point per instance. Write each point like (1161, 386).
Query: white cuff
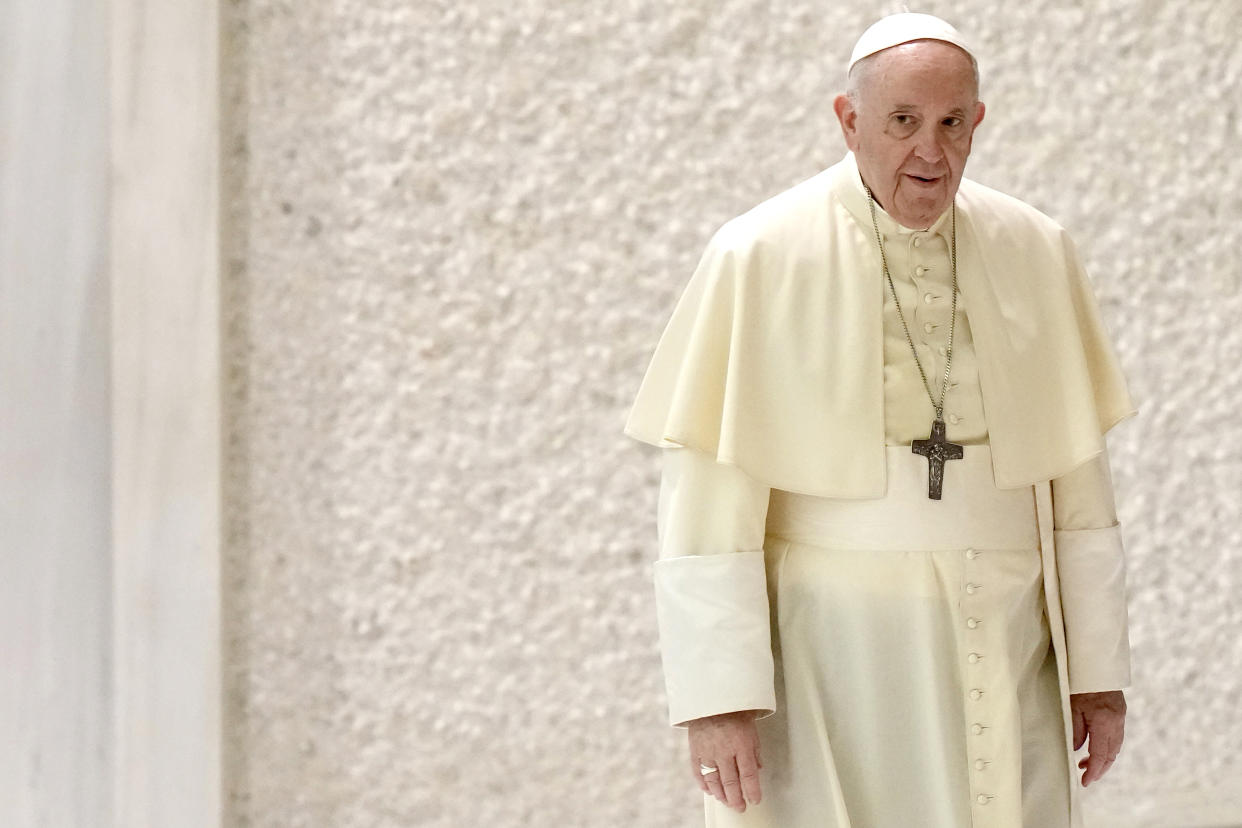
(1092, 571)
(715, 634)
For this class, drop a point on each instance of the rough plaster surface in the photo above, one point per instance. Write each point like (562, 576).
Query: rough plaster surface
(455, 232)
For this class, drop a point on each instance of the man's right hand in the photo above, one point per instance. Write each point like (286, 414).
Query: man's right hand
(730, 742)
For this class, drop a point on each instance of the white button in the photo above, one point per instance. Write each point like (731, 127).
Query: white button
(972, 553)
(970, 588)
(927, 297)
(972, 622)
(917, 241)
(920, 270)
(953, 419)
(973, 658)
(980, 764)
(976, 694)
(982, 799)
(976, 728)
(929, 327)
(942, 350)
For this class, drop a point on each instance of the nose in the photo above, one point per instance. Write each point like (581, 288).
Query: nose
(927, 148)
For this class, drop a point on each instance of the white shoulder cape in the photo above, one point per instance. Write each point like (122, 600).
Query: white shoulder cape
(772, 360)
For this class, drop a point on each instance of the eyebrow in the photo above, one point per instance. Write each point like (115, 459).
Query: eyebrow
(958, 111)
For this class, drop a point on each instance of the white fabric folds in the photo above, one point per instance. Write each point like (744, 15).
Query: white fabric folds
(772, 359)
(715, 634)
(1091, 566)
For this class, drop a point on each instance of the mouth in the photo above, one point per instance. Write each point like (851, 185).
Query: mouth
(924, 181)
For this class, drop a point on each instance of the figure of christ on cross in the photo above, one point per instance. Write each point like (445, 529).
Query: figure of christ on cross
(937, 450)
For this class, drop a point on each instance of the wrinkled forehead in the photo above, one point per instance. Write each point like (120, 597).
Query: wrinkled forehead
(924, 68)
(923, 56)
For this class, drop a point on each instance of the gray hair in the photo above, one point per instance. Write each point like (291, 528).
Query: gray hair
(861, 72)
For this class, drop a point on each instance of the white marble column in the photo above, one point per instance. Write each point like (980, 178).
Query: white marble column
(109, 415)
(56, 751)
(166, 412)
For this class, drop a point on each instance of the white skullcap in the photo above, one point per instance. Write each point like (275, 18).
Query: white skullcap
(902, 28)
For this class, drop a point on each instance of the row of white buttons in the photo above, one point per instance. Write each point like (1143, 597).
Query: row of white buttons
(976, 693)
(928, 327)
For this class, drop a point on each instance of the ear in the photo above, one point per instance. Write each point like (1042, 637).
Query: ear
(847, 115)
(979, 110)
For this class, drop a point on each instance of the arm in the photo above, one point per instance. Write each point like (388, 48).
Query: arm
(1091, 566)
(712, 606)
(711, 589)
(1092, 572)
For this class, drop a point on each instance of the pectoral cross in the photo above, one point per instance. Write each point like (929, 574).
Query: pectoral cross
(937, 450)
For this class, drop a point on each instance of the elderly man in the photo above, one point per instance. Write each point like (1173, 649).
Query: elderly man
(891, 586)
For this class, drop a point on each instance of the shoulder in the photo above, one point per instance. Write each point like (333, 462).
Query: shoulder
(994, 213)
(781, 222)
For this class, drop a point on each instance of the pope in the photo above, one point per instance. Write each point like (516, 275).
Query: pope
(886, 597)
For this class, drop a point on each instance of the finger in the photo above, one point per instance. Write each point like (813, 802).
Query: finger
(1100, 755)
(696, 762)
(732, 784)
(1080, 729)
(748, 774)
(699, 779)
(1109, 748)
(713, 784)
(1092, 773)
(758, 758)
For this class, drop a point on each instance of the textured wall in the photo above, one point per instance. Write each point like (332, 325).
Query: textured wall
(456, 231)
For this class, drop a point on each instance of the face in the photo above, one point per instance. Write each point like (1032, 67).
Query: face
(912, 127)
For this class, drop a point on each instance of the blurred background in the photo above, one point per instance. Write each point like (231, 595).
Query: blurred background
(319, 325)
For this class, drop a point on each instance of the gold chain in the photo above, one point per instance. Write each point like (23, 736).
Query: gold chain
(939, 406)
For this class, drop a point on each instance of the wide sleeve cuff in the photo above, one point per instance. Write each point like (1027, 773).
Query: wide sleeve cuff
(1092, 572)
(715, 634)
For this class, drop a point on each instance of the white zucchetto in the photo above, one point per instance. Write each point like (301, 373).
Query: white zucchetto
(902, 28)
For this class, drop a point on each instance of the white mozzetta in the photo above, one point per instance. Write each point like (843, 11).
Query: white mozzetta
(802, 264)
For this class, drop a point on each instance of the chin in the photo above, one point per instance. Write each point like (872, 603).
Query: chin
(927, 211)
(922, 216)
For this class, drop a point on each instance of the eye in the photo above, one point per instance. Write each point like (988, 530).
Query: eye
(952, 121)
(902, 125)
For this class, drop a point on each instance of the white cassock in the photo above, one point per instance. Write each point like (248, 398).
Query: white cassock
(912, 658)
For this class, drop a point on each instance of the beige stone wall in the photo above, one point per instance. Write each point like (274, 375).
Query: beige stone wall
(454, 234)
